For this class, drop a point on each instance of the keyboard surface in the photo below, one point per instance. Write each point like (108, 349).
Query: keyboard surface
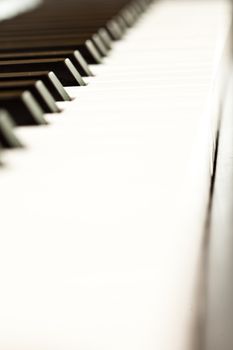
(103, 211)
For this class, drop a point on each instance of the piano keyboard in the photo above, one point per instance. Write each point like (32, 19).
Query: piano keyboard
(107, 133)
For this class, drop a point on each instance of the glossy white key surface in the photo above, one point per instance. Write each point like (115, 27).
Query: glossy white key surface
(102, 215)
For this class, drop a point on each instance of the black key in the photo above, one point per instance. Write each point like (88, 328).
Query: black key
(75, 57)
(88, 49)
(63, 68)
(120, 21)
(105, 37)
(31, 38)
(114, 30)
(49, 79)
(103, 50)
(90, 53)
(37, 89)
(8, 139)
(83, 67)
(22, 107)
(127, 17)
(134, 11)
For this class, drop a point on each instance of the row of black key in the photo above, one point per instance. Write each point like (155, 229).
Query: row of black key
(51, 47)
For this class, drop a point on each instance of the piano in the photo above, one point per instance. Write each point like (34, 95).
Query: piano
(116, 175)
